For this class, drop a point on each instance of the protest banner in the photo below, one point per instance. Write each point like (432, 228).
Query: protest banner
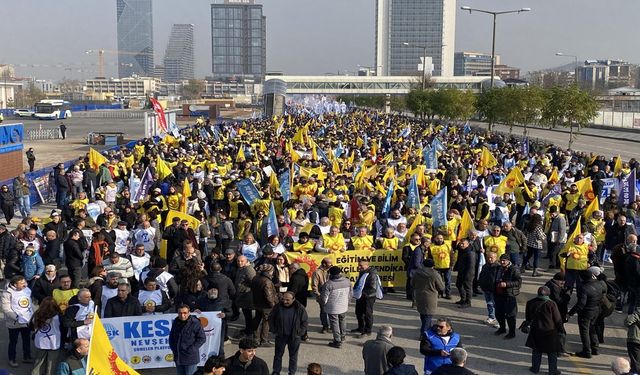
(143, 341)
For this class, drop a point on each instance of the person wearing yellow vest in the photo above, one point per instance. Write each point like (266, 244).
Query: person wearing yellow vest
(333, 241)
(362, 241)
(595, 225)
(576, 257)
(388, 241)
(441, 252)
(63, 294)
(482, 209)
(571, 198)
(453, 222)
(303, 245)
(495, 242)
(336, 214)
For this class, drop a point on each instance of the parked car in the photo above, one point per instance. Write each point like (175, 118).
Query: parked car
(23, 113)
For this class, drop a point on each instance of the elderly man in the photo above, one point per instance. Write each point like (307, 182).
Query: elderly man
(75, 363)
(334, 299)
(79, 315)
(124, 304)
(318, 279)
(374, 352)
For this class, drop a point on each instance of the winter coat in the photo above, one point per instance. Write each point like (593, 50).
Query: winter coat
(44, 288)
(11, 318)
(257, 366)
(226, 289)
(185, 340)
(452, 370)
(116, 307)
(632, 322)
(589, 298)
(511, 276)
(374, 355)
(299, 284)
(403, 369)
(6, 197)
(466, 264)
(264, 292)
(244, 296)
(487, 278)
(73, 254)
(299, 323)
(431, 345)
(427, 284)
(204, 303)
(12, 263)
(546, 326)
(32, 265)
(7, 242)
(335, 295)
(74, 364)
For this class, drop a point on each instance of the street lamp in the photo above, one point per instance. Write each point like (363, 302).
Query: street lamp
(493, 39)
(424, 62)
(575, 65)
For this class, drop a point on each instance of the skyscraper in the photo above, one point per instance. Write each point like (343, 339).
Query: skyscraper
(135, 38)
(238, 40)
(178, 59)
(420, 24)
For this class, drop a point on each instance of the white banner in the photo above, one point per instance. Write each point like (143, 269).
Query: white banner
(143, 341)
(608, 184)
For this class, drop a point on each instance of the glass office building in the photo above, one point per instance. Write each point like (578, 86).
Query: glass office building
(420, 24)
(238, 40)
(135, 38)
(179, 57)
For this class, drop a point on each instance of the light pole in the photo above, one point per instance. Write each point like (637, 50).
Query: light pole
(424, 62)
(575, 65)
(493, 38)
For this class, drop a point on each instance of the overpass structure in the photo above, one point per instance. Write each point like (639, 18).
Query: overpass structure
(371, 85)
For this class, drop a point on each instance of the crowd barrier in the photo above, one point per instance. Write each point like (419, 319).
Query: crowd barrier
(114, 114)
(43, 134)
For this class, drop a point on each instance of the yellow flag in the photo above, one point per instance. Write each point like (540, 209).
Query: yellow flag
(335, 167)
(434, 186)
(351, 158)
(359, 142)
(586, 188)
(193, 224)
(554, 178)
(162, 168)
(102, 358)
(186, 193)
(240, 156)
(618, 166)
(96, 159)
(487, 160)
(274, 184)
(294, 154)
(374, 149)
(314, 152)
(387, 158)
(576, 231)
(465, 225)
(391, 171)
(591, 208)
(263, 147)
(419, 219)
(509, 184)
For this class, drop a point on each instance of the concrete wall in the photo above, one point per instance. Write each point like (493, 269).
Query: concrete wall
(627, 120)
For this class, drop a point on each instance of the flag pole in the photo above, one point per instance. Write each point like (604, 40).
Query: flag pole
(93, 325)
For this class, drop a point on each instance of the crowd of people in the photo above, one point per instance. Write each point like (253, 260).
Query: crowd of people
(203, 221)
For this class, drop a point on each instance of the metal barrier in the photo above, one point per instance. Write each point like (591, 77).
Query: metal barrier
(115, 114)
(43, 134)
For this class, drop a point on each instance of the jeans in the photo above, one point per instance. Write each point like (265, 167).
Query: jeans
(364, 313)
(24, 204)
(634, 356)
(45, 361)
(516, 259)
(425, 323)
(532, 251)
(588, 334)
(13, 342)
(293, 343)
(338, 326)
(324, 317)
(553, 257)
(491, 310)
(536, 361)
(186, 369)
(446, 276)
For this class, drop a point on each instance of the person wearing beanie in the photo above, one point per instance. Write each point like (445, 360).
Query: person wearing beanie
(507, 288)
(559, 294)
(588, 308)
(427, 285)
(335, 297)
(546, 329)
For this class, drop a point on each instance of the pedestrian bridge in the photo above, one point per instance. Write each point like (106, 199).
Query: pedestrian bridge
(367, 85)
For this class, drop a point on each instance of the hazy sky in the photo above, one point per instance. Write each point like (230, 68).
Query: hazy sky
(317, 36)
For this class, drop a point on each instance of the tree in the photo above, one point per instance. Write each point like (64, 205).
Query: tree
(419, 102)
(570, 107)
(193, 89)
(27, 97)
(533, 102)
(490, 105)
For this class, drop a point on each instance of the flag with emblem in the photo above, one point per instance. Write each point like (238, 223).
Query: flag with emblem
(162, 168)
(387, 201)
(509, 184)
(413, 195)
(96, 159)
(102, 358)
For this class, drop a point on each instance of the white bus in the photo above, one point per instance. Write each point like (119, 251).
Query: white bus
(52, 109)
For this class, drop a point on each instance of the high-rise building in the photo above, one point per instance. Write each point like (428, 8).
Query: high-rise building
(238, 40)
(135, 38)
(472, 63)
(404, 28)
(179, 57)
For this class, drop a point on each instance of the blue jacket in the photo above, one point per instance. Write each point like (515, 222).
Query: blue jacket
(73, 365)
(32, 265)
(431, 347)
(185, 340)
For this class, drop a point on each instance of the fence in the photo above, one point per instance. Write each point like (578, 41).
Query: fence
(113, 114)
(43, 134)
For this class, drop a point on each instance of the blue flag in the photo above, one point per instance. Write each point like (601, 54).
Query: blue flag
(285, 185)
(413, 195)
(272, 222)
(323, 156)
(405, 133)
(474, 141)
(387, 201)
(555, 191)
(338, 151)
(467, 128)
(525, 146)
(627, 189)
(145, 183)
(437, 145)
(439, 209)
(248, 191)
(431, 158)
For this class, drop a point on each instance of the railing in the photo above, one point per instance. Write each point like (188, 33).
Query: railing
(115, 114)
(43, 134)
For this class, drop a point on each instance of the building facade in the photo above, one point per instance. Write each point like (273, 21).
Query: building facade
(135, 38)
(179, 57)
(606, 74)
(404, 28)
(238, 41)
(125, 87)
(472, 63)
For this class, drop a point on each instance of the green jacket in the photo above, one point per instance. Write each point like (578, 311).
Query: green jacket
(632, 322)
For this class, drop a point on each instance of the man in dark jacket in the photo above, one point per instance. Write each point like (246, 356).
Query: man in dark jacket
(466, 270)
(265, 298)
(298, 283)
(507, 287)
(123, 304)
(216, 279)
(185, 339)
(245, 361)
(288, 322)
(213, 301)
(73, 256)
(588, 308)
(458, 360)
(632, 277)
(546, 329)
(366, 289)
(374, 352)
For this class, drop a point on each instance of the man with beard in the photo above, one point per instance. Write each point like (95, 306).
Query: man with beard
(288, 321)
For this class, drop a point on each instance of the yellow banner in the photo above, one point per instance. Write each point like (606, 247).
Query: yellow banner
(389, 264)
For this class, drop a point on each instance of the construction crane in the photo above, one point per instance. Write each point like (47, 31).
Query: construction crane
(101, 53)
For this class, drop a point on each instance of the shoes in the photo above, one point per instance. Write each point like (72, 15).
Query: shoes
(343, 338)
(534, 371)
(13, 364)
(500, 331)
(459, 302)
(510, 336)
(536, 273)
(447, 296)
(564, 354)
(557, 372)
(305, 337)
(365, 334)
(324, 330)
(465, 305)
(27, 360)
(356, 330)
(266, 344)
(583, 354)
(335, 344)
(490, 321)
(594, 351)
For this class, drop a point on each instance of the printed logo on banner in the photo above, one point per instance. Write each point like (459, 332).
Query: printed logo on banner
(111, 331)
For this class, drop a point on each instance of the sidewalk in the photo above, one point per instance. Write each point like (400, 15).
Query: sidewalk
(619, 134)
